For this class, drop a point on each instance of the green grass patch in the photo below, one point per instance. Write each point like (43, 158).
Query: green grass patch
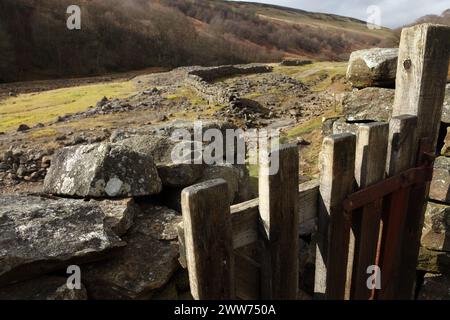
(189, 94)
(310, 74)
(304, 128)
(46, 106)
(43, 133)
(253, 95)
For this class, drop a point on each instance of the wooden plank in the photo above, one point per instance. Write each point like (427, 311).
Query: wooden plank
(278, 198)
(181, 245)
(208, 240)
(402, 139)
(245, 221)
(336, 183)
(247, 277)
(421, 79)
(308, 200)
(371, 152)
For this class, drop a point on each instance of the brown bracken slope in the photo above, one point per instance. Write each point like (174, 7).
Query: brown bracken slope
(121, 35)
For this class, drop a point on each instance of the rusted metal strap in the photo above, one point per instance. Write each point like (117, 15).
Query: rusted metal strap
(380, 190)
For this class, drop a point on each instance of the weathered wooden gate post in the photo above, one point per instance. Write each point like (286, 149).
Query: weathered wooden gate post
(420, 90)
(336, 183)
(278, 197)
(208, 240)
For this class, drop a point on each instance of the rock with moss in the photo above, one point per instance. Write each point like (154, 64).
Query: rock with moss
(102, 170)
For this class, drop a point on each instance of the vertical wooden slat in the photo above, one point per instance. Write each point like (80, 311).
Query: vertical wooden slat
(421, 78)
(208, 240)
(336, 183)
(278, 197)
(401, 147)
(370, 164)
(247, 277)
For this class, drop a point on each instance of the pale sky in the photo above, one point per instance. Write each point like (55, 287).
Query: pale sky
(394, 13)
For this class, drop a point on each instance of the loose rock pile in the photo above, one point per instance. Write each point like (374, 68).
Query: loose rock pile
(106, 220)
(295, 62)
(18, 165)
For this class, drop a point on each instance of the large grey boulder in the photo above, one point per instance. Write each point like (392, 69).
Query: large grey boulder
(102, 170)
(174, 168)
(368, 104)
(145, 265)
(440, 185)
(375, 67)
(44, 288)
(39, 235)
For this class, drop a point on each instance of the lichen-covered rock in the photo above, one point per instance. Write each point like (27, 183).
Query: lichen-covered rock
(102, 170)
(342, 126)
(39, 235)
(440, 185)
(436, 232)
(445, 151)
(44, 288)
(174, 159)
(235, 176)
(434, 261)
(327, 125)
(446, 108)
(145, 265)
(373, 104)
(119, 214)
(375, 67)
(435, 287)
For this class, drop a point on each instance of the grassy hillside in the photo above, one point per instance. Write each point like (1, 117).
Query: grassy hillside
(34, 108)
(121, 35)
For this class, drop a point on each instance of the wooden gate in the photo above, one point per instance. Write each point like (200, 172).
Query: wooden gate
(369, 206)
